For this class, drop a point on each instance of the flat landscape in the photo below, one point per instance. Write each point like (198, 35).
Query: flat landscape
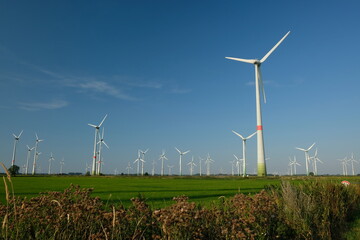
(158, 191)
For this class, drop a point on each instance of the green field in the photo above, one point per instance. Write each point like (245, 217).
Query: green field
(157, 190)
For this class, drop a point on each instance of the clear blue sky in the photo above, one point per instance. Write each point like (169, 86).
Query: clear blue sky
(157, 68)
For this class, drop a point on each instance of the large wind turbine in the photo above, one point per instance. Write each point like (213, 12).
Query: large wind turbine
(306, 151)
(14, 150)
(35, 153)
(50, 160)
(181, 154)
(259, 85)
(244, 149)
(97, 127)
(162, 158)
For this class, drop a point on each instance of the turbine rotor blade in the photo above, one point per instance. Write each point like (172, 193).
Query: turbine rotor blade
(251, 135)
(105, 144)
(178, 150)
(20, 133)
(14, 135)
(92, 125)
(185, 152)
(103, 120)
(273, 49)
(252, 61)
(238, 134)
(310, 147)
(301, 149)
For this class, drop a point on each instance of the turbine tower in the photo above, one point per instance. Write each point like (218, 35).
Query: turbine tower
(192, 165)
(315, 159)
(27, 159)
(181, 154)
(36, 153)
(97, 127)
(200, 170)
(238, 164)
(128, 168)
(138, 163)
(101, 142)
(61, 166)
(244, 149)
(162, 158)
(208, 161)
(259, 85)
(306, 151)
(352, 160)
(50, 160)
(14, 150)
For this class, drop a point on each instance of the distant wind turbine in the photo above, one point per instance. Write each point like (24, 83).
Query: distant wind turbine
(128, 168)
(293, 164)
(259, 85)
(238, 164)
(181, 154)
(200, 163)
(37, 141)
(315, 159)
(170, 167)
(162, 158)
(153, 168)
(352, 160)
(97, 127)
(306, 151)
(61, 166)
(344, 163)
(27, 158)
(138, 163)
(208, 161)
(100, 143)
(244, 149)
(17, 138)
(192, 165)
(50, 160)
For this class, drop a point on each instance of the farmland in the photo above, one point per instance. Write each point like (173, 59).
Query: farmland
(158, 191)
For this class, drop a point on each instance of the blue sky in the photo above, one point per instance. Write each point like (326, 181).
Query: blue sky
(158, 69)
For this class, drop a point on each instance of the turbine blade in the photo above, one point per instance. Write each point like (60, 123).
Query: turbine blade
(178, 150)
(92, 125)
(251, 135)
(146, 150)
(186, 152)
(252, 61)
(273, 49)
(103, 120)
(301, 149)
(310, 147)
(14, 135)
(261, 83)
(20, 133)
(238, 134)
(105, 144)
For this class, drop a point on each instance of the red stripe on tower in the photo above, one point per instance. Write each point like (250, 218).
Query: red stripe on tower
(259, 127)
(94, 157)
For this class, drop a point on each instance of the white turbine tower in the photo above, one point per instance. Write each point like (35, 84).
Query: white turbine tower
(128, 168)
(101, 142)
(97, 127)
(315, 159)
(259, 85)
(61, 166)
(244, 149)
(232, 167)
(162, 158)
(142, 166)
(208, 161)
(153, 168)
(192, 165)
(238, 164)
(50, 160)
(292, 165)
(27, 158)
(306, 151)
(37, 141)
(181, 154)
(138, 163)
(170, 167)
(17, 138)
(344, 163)
(352, 160)
(200, 163)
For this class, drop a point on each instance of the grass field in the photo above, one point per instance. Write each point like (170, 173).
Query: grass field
(157, 190)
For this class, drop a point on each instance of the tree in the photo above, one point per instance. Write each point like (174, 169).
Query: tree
(14, 170)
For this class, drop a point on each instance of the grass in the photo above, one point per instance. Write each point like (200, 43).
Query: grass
(158, 191)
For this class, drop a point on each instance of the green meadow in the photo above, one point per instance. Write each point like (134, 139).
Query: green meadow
(158, 191)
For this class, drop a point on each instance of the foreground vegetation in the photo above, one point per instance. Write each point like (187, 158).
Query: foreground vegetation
(310, 210)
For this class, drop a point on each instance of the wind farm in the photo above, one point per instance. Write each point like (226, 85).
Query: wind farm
(168, 99)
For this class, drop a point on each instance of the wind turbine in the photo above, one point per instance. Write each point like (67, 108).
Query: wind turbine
(27, 158)
(142, 166)
(17, 138)
(192, 165)
(244, 149)
(208, 161)
(259, 85)
(50, 160)
(352, 160)
(101, 142)
(128, 168)
(170, 167)
(61, 166)
(344, 163)
(162, 158)
(200, 171)
(232, 167)
(315, 159)
(97, 127)
(143, 156)
(37, 141)
(153, 168)
(295, 163)
(238, 164)
(306, 151)
(181, 154)
(138, 163)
